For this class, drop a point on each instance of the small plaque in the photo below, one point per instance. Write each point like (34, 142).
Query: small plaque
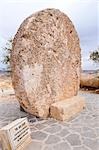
(16, 135)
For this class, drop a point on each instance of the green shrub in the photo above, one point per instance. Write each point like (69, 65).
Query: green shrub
(7, 49)
(94, 56)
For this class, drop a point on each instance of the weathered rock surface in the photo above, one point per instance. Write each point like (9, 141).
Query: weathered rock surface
(90, 80)
(45, 61)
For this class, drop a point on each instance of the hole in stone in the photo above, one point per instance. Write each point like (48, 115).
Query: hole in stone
(57, 18)
(24, 36)
(49, 115)
(36, 20)
(50, 34)
(71, 31)
(54, 51)
(50, 14)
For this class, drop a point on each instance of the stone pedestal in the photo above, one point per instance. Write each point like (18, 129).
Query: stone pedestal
(68, 108)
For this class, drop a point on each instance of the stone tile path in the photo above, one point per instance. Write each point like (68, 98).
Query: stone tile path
(81, 133)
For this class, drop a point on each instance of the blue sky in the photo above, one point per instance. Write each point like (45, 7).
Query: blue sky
(83, 13)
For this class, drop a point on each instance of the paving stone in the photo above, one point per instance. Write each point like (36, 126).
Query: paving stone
(90, 107)
(77, 125)
(62, 146)
(84, 112)
(74, 139)
(95, 114)
(63, 133)
(40, 126)
(50, 121)
(48, 148)
(89, 117)
(92, 124)
(80, 148)
(3, 124)
(88, 132)
(53, 128)
(65, 124)
(75, 129)
(52, 139)
(92, 144)
(97, 131)
(79, 118)
(96, 119)
(38, 135)
(33, 128)
(34, 145)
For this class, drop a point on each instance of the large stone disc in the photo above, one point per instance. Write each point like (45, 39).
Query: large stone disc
(45, 61)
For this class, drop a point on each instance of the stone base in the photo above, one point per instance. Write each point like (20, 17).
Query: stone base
(67, 109)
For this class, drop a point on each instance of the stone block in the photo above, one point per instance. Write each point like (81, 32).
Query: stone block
(67, 109)
(16, 135)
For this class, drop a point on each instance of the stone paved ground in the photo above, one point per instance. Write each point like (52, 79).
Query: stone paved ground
(81, 133)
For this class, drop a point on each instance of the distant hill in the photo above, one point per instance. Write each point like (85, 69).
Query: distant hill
(90, 71)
